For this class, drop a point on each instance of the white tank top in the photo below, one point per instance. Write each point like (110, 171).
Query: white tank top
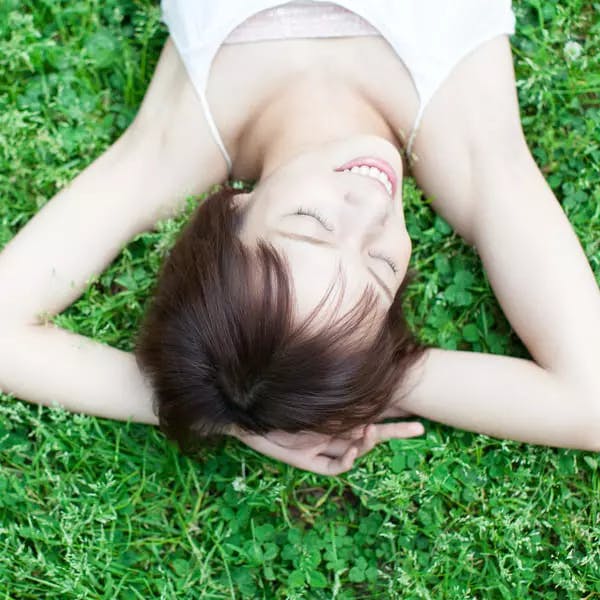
(429, 36)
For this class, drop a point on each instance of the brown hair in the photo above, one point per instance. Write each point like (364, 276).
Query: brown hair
(220, 346)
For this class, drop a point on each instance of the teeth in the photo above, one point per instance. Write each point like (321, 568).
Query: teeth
(373, 172)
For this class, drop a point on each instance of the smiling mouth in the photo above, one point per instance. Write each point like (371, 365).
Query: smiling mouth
(375, 168)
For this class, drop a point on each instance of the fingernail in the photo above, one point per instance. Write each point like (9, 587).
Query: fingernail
(417, 428)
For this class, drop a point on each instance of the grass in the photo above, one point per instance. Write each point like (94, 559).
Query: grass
(97, 509)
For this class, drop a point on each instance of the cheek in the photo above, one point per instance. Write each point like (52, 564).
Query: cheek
(407, 247)
(286, 198)
(307, 183)
(406, 254)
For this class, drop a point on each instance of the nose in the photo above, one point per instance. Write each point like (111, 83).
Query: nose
(363, 219)
(368, 210)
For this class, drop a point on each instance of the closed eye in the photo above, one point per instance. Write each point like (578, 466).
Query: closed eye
(315, 215)
(318, 242)
(387, 259)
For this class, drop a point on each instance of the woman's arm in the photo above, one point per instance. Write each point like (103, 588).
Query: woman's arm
(475, 163)
(53, 367)
(141, 178)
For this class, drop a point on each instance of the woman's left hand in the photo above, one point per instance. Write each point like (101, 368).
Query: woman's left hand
(327, 454)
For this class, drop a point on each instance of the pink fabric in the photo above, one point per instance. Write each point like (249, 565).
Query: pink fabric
(301, 20)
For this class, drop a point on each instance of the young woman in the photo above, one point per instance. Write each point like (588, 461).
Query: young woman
(326, 106)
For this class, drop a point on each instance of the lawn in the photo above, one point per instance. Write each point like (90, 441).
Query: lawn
(96, 509)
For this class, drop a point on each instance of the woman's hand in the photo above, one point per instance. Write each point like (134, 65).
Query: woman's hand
(326, 454)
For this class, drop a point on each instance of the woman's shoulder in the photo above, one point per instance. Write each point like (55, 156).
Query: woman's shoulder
(170, 119)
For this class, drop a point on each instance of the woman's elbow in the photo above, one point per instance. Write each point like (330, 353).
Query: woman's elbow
(590, 436)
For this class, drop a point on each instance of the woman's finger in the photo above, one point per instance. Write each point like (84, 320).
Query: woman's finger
(337, 447)
(401, 430)
(339, 444)
(356, 433)
(380, 432)
(299, 440)
(377, 433)
(335, 466)
(369, 440)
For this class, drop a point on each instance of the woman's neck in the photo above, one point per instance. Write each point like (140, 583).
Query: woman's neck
(310, 114)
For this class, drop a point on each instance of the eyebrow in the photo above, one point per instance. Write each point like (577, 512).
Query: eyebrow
(318, 242)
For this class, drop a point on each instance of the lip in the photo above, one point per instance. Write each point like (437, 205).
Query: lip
(382, 165)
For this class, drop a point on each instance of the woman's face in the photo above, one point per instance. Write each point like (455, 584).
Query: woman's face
(324, 219)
